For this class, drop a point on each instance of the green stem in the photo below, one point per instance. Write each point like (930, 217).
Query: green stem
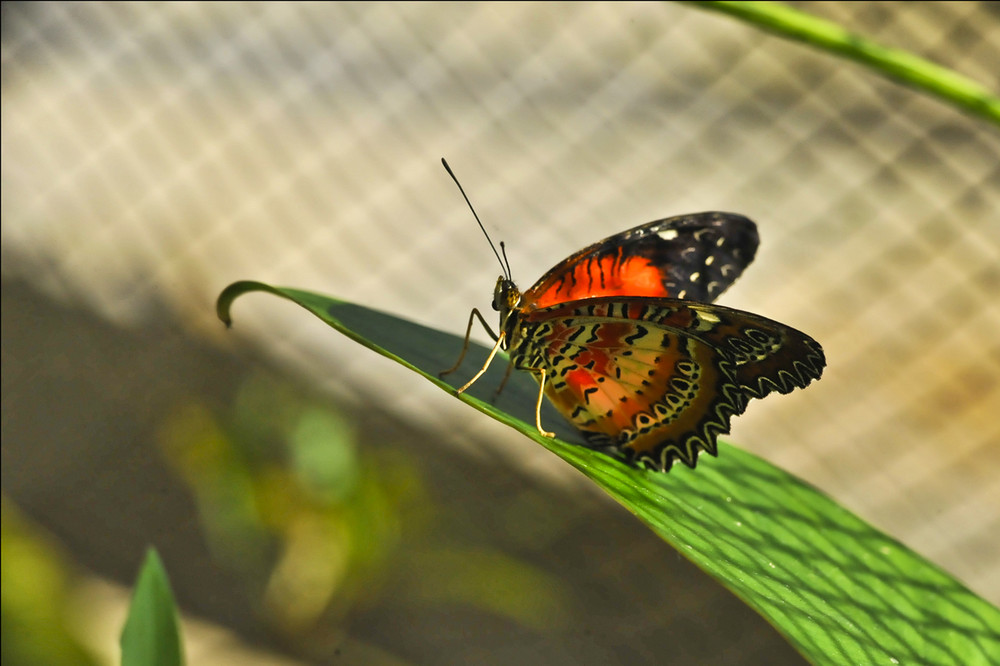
(900, 65)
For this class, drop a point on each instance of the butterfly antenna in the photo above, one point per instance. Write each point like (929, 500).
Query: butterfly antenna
(506, 268)
(503, 251)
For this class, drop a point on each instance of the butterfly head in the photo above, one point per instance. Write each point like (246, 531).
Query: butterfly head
(506, 297)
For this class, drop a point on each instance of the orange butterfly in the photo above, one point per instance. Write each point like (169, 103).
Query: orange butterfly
(623, 339)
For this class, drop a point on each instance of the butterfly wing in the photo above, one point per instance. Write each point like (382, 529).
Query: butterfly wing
(768, 356)
(694, 257)
(654, 380)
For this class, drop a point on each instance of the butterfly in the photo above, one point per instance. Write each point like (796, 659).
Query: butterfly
(626, 343)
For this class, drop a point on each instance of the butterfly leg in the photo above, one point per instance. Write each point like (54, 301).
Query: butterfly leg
(506, 376)
(538, 404)
(465, 345)
(489, 359)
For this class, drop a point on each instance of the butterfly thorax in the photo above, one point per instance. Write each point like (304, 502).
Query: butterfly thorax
(524, 348)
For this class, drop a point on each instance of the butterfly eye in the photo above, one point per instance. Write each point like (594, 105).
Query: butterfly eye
(499, 293)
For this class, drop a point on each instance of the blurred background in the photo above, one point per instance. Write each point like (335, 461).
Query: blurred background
(315, 503)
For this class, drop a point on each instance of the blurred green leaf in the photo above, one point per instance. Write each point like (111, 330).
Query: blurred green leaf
(288, 504)
(841, 591)
(151, 636)
(36, 589)
(897, 64)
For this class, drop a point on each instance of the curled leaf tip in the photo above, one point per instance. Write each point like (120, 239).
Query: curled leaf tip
(225, 301)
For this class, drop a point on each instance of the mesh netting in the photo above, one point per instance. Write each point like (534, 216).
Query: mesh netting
(154, 153)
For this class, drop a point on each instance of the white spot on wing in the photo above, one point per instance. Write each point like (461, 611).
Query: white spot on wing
(709, 259)
(668, 234)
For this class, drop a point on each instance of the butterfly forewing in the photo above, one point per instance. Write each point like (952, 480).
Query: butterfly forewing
(693, 257)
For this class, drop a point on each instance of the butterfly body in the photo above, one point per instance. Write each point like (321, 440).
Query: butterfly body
(627, 345)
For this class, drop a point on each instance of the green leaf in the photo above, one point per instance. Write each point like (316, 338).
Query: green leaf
(897, 64)
(151, 636)
(839, 590)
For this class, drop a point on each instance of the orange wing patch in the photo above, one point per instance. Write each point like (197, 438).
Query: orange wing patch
(608, 275)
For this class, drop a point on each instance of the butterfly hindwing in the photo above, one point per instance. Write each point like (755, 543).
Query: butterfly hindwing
(693, 257)
(658, 379)
(767, 355)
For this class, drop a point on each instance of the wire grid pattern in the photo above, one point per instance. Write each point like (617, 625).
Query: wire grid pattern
(152, 153)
